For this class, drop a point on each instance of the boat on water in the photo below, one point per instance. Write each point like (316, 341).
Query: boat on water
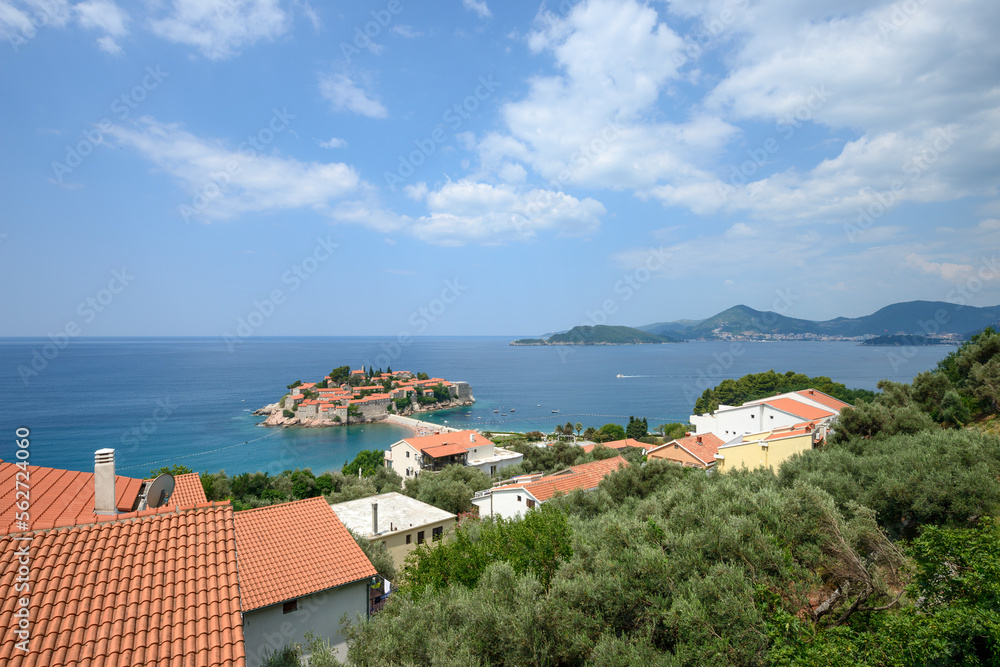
(496, 411)
(619, 376)
(555, 412)
(512, 410)
(503, 414)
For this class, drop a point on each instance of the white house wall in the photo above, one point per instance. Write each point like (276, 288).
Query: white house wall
(269, 628)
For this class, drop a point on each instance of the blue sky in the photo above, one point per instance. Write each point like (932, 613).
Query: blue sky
(183, 167)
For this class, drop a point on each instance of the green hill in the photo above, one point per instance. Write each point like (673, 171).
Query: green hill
(599, 335)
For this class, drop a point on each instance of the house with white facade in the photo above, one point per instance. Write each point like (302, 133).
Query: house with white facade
(766, 414)
(410, 457)
(400, 522)
(528, 491)
(299, 571)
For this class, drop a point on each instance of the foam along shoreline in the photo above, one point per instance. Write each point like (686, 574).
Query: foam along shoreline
(418, 427)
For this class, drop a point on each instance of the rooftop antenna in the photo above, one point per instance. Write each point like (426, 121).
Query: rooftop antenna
(159, 491)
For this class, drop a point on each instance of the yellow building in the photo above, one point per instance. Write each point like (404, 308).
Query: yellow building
(399, 521)
(769, 448)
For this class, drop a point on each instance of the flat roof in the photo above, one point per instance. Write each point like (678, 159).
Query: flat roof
(395, 509)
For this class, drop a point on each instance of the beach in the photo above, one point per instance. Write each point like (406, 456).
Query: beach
(419, 428)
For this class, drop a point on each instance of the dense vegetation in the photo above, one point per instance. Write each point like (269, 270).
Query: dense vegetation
(880, 549)
(763, 385)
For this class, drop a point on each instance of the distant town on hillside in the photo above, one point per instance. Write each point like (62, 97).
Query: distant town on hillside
(936, 322)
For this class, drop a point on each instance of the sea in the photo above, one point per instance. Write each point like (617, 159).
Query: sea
(189, 401)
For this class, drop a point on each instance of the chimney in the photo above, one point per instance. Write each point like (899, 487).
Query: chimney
(472, 437)
(104, 482)
(698, 440)
(374, 518)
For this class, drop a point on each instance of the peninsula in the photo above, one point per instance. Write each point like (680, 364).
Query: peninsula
(599, 335)
(348, 396)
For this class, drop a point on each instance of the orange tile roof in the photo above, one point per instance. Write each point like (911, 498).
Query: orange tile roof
(188, 491)
(444, 450)
(829, 401)
(703, 447)
(294, 549)
(796, 430)
(59, 497)
(585, 476)
(160, 589)
(617, 444)
(798, 408)
(457, 438)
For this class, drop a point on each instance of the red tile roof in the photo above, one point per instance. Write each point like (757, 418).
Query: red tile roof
(161, 589)
(444, 450)
(585, 476)
(457, 438)
(798, 408)
(617, 444)
(703, 447)
(188, 491)
(294, 549)
(59, 497)
(825, 399)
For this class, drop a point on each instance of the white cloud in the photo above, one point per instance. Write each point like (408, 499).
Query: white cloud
(345, 95)
(20, 20)
(333, 142)
(102, 15)
(952, 273)
(224, 182)
(220, 28)
(479, 7)
(407, 31)
(467, 211)
(416, 191)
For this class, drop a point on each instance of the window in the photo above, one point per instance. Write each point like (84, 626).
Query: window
(408, 538)
(289, 606)
(437, 533)
(420, 537)
(519, 499)
(531, 503)
(407, 453)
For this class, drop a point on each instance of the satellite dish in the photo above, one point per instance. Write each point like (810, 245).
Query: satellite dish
(159, 491)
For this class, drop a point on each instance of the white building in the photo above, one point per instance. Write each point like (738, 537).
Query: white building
(401, 522)
(769, 413)
(430, 453)
(527, 491)
(299, 571)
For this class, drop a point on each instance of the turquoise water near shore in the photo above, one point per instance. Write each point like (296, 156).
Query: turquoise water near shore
(189, 400)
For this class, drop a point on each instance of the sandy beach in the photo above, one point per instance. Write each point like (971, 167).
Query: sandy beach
(418, 427)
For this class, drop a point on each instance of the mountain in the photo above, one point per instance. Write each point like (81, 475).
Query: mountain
(912, 317)
(599, 335)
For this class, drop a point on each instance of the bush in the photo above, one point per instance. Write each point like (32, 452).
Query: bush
(287, 413)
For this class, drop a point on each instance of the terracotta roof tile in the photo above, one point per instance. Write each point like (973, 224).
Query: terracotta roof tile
(130, 592)
(825, 399)
(59, 497)
(617, 444)
(460, 438)
(585, 476)
(444, 450)
(188, 491)
(704, 447)
(294, 549)
(798, 408)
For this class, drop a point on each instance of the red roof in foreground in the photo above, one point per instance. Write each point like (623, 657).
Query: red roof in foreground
(294, 549)
(161, 589)
(585, 476)
(188, 490)
(798, 408)
(58, 497)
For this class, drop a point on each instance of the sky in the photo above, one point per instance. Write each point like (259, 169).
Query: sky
(237, 168)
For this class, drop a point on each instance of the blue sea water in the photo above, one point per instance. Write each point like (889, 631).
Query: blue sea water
(188, 401)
